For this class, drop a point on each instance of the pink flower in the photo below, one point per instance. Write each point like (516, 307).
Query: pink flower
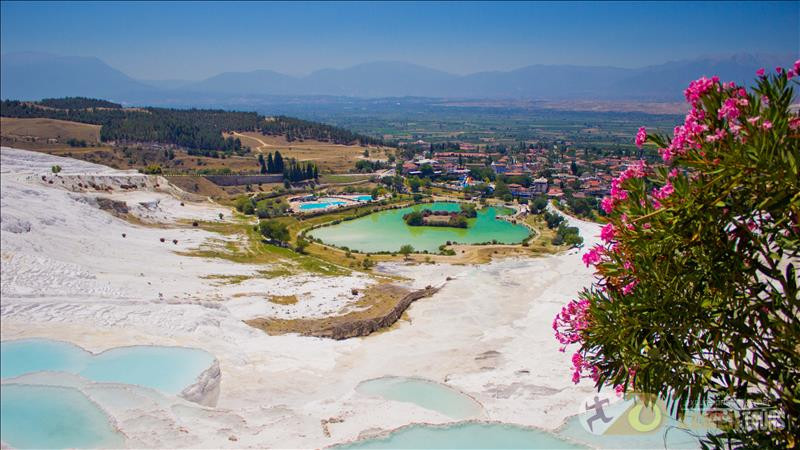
(796, 66)
(729, 109)
(753, 120)
(641, 135)
(607, 203)
(607, 232)
(794, 123)
(790, 74)
(779, 70)
(673, 173)
(593, 256)
(760, 72)
(628, 288)
(664, 192)
(766, 125)
(741, 92)
(628, 265)
(698, 88)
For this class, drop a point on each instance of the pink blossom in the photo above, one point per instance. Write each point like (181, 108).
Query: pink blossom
(628, 288)
(796, 66)
(718, 135)
(673, 173)
(794, 123)
(664, 192)
(628, 265)
(593, 256)
(698, 88)
(607, 203)
(753, 120)
(641, 135)
(779, 70)
(766, 125)
(656, 204)
(607, 232)
(741, 92)
(760, 72)
(729, 109)
(765, 100)
(790, 74)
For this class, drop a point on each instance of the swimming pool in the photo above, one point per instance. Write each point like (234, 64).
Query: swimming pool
(425, 393)
(364, 198)
(53, 417)
(321, 204)
(167, 369)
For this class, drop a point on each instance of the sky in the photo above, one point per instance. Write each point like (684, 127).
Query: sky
(192, 41)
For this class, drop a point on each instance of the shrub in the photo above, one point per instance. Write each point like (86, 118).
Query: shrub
(55, 169)
(272, 229)
(697, 298)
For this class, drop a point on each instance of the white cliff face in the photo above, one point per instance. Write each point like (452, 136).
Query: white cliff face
(205, 390)
(67, 273)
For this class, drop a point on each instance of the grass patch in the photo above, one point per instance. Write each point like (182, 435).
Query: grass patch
(283, 299)
(228, 279)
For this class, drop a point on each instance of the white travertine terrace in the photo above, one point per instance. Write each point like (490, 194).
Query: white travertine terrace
(68, 274)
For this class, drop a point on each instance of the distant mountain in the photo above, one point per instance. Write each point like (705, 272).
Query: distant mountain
(34, 75)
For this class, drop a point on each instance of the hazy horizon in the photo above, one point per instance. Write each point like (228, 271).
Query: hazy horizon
(194, 41)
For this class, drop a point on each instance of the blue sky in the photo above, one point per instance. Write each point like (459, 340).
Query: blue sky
(186, 40)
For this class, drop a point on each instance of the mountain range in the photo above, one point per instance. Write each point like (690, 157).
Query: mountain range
(32, 76)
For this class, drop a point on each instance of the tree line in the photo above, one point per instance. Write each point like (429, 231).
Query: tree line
(78, 103)
(298, 129)
(197, 130)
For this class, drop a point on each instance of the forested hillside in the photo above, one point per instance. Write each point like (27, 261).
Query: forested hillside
(197, 130)
(298, 129)
(78, 103)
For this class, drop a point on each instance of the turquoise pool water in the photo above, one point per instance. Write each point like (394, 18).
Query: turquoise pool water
(364, 198)
(464, 435)
(168, 369)
(424, 393)
(322, 203)
(53, 417)
(386, 230)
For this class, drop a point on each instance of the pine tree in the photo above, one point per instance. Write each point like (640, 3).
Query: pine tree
(270, 164)
(262, 163)
(278, 161)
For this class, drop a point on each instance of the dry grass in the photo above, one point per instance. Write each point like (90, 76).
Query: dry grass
(331, 158)
(378, 301)
(283, 299)
(49, 129)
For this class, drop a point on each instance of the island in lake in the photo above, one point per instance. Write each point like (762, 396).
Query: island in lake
(439, 218)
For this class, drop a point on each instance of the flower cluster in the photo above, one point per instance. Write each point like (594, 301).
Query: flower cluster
(567, 326)
(722, 117)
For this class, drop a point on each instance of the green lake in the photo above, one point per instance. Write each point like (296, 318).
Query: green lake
(386, 230)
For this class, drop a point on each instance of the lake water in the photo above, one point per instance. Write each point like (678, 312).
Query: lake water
(464, 435)
(53, 417)
(424, 393)
(167, 369)
(386, 230)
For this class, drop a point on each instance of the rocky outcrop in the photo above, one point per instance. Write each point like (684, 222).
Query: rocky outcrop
(363, 327)
(350, 325)
(205, 390)
(116, 207)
